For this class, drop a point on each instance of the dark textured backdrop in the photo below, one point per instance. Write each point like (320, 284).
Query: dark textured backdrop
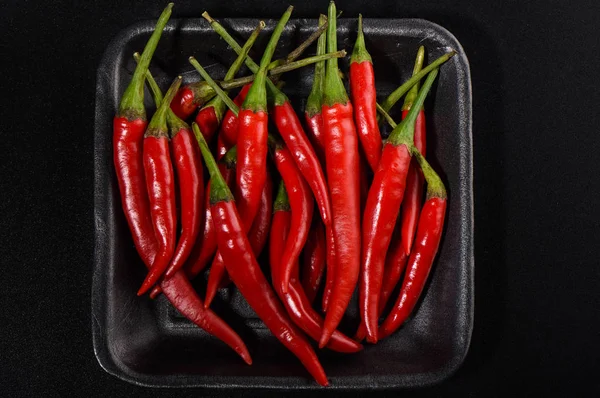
(536, 93)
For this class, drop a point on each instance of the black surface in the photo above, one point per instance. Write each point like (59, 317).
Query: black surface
(139, 340)
(535, 89)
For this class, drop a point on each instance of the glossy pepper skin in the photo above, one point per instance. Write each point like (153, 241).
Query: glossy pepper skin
(429, 234)
(245, 272)
(257, 236)
(341, 153)
(302, 205)
(382, 208)
(295, 301)
(252, 135)
(129, 126)
(160, 184)
(191, 97)
(314, 260)
(210, 116)
(229, 128)
(312, 112)
(364, 99)
(413, 195)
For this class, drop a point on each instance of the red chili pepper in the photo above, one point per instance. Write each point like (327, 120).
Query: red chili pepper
(413, 195)
(429, 234)
(295, 301)
(382, 208)
(188, 165)
(341, 152)
(331, 264)
(257, 236)
(314, 260)
(229, 128)
(191, 97)
(129, 126)
(362, 87)
(210, 116)
(245, 271)
(302, 205)
(160, 183)
(312, 112)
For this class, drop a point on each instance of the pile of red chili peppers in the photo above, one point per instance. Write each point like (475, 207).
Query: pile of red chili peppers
(338, 207)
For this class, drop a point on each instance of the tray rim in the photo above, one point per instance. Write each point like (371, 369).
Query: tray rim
(100, 341)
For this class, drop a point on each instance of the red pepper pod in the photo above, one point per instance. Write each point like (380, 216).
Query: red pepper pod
(342, 157)
(302, 205)
(381, 212)
(295, 301)
(208, 120)
(429, 233)
(188, 166)
(314, 260)
(160, 183)
(364, 99)
(129, 166)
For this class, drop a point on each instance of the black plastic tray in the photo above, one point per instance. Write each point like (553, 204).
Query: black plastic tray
(146, 342)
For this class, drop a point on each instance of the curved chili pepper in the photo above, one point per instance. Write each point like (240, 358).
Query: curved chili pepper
(295, 301)
(341, 153)
(429, 234)
(129, 126)
(188, 165)
(302, 205)
(160, 183)
(312, 112)
(413, 195)
(382, 208)
(245, 271)
(362, 88)
(314, 260)
(257, 236)
(210, 116)
(331, 264)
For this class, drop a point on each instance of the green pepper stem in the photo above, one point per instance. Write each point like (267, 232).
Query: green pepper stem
(158, 125)
(360, 53)
(400, 91)
(132, 102)
(219, 191)
(241, 58)
(412, 93)
(175, 123)
(256, 100)
(315, 98)
(282, 201)
(386, 116)
(230, 104)
(217, 102)
(274, 92)
(317, 34)
(404, 132)
(315, 59)
(334, 91)
(435, 186)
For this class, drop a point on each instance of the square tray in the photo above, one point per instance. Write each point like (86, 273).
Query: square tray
(148, 343)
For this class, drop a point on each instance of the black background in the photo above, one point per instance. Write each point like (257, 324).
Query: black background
(536, 141)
